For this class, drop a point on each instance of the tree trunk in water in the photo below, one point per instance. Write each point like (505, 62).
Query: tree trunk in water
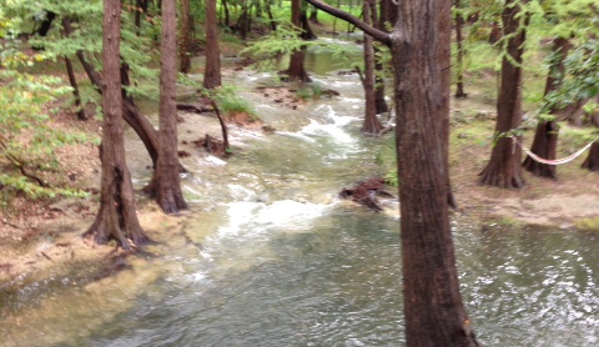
(592, 161)
(379, 89)
(296, 71)
(212, 77)
(372, 125)
(165, 185)
(307, 33)
(434, 311)
(459, 23)
(504, 169)
(545, 141)
(184, 49)
(73, 81)
(117, 218)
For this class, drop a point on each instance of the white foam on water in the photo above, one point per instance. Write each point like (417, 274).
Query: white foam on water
(214, 161)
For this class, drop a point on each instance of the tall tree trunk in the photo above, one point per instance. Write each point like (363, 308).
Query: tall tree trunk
(73, 81)
(296, 70)
(379, 88)
(459, 23)
(592, 161)
(142, 126)
(545, 141)
(434, 311)
(165, 185)
(117, 218)
(444, 27)
(185, 48)
(504, 169)
(212, 77)
(227, 14)
(372, 125)
(271, 19)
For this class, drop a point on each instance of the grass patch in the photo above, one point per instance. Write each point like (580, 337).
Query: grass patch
(587, 224)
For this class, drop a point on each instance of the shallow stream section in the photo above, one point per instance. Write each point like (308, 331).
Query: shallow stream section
(268, 256)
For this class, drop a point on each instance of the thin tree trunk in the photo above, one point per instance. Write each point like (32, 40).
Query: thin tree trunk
(504, 169)
(545, 140)
(117, 217)
(212, 76)
(372, 125)
(165, 185)
(495, 34)
(379, 88)
(73, 81)
(185, 48)
(227, 14)
(271, 19)
(459, 23)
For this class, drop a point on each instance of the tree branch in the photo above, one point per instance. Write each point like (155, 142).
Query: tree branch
(376, 34)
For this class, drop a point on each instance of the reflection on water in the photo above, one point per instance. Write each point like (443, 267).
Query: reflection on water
(277, 260)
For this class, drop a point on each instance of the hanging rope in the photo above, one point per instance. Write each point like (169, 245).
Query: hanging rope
(555, 161)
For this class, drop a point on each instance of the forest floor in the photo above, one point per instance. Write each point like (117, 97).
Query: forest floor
(42, 239)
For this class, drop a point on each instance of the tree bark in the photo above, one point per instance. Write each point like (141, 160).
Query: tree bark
(433, 307)
(212, 76)
(372, 125)
(117, 218)
(545, 141)
(307, 33)
(434, 311)
(184, 49)
(379, 89)
(504, 169)
(296, 70)
(592, 161)
(459, 23)
(142, 126)
(73, 81)
(165, 186)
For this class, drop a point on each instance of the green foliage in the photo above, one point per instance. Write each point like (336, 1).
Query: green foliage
(310, 92)
(27, 139)
(230, 103)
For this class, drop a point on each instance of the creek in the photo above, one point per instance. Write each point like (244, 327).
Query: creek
(272, 257)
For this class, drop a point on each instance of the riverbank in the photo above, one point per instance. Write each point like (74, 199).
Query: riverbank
(41, 240)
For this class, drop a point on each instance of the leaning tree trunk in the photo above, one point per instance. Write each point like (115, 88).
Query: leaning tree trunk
(73, 81)
(372, 125)
(592, 161)
(212, 76)
(503, 169)
(545, 141)
(117, 217)
(165, 185)
(142, 126)
(433, 307)
(459, 23)
(185, 47)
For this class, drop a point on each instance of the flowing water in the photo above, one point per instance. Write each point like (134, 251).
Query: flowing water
(271, 257)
